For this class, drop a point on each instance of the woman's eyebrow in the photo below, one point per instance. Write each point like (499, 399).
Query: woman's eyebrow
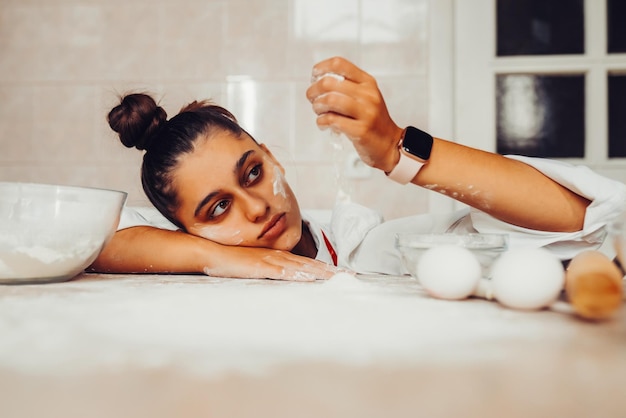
(242, 160)
(240, 163)
(204, 201)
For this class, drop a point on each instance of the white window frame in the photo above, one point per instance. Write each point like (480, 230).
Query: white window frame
(464, 64)
(441, 116)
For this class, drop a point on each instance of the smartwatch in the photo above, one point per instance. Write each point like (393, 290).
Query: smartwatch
(415, 147)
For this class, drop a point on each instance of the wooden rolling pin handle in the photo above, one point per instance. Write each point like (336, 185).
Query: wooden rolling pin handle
(594, 285)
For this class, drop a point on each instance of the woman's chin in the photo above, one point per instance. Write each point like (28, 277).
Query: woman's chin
(288, 241)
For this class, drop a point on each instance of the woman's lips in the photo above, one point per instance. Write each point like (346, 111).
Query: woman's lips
(274, 227)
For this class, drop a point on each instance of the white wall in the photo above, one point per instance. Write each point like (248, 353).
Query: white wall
(62, 64)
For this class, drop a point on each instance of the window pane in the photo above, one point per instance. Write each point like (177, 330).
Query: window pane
(541, 115)
(617, 112)
(540, 27)
(616, 25)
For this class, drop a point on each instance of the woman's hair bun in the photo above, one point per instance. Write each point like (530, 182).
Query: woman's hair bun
(137, 119)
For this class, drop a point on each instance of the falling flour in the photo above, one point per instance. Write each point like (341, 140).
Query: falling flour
(339, 157)
(343, 190)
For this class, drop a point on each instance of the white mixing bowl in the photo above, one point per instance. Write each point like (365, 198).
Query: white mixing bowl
(51, 233)
(486, 247)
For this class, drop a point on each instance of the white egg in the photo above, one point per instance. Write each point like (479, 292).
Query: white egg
(448, 272)
(529, 278)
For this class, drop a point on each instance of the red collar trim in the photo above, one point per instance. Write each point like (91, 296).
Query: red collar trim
(331, 250)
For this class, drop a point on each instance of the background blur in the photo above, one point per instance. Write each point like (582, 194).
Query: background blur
(63, 64)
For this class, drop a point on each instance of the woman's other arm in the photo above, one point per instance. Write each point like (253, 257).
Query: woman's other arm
(507, 189)
(146, 249)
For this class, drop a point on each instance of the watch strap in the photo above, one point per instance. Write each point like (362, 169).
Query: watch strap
(406, 169)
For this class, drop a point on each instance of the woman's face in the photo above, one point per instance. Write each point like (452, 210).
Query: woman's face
(233, 191)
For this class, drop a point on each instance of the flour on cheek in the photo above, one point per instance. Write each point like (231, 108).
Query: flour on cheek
(279, 183)
(218, 234)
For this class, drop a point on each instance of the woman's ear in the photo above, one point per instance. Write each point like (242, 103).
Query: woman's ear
(271, 157)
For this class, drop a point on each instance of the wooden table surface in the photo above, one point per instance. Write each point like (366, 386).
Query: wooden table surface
(181, 345)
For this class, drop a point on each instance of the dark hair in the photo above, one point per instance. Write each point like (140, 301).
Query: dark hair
(142, 123)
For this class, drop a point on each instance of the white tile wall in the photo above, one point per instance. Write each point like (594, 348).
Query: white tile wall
(63, 64)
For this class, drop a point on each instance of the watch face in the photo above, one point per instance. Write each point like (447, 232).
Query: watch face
(417, 143)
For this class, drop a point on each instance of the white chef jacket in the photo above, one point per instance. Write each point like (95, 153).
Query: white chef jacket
(361, 241)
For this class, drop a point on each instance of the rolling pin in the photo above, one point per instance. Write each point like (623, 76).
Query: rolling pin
(593, 285)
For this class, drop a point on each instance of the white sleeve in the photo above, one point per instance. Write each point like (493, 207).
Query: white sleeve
(143, 216)
(608, 200)
(366, 244)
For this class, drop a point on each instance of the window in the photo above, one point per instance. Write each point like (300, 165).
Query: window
(539, 27)
(543, 78)
(617, 115)
(616, 33)
(541, 115)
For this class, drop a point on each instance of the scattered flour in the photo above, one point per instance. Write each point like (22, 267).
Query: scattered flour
(345, 281)
(213, 325)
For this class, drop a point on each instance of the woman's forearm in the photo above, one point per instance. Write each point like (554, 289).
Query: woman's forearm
(507, 189)
(144, 249)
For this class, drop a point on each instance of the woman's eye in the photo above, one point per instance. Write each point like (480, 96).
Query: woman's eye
(254, 174)
(219, 209)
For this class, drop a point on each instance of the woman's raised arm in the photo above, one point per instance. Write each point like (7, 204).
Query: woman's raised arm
(507, 189)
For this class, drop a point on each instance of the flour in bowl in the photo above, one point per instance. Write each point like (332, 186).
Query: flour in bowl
(37, 261)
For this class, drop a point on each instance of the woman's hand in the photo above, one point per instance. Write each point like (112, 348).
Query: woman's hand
(355, 107)
(145, 249)
(262, 263)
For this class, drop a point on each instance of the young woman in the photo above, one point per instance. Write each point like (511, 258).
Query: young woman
(233, 214)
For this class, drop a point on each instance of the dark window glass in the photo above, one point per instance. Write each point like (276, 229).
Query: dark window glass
(540, 27)
(616, 25)
(541, 115)
(617, 115)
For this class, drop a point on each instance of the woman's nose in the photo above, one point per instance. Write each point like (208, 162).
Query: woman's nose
(255, 207)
